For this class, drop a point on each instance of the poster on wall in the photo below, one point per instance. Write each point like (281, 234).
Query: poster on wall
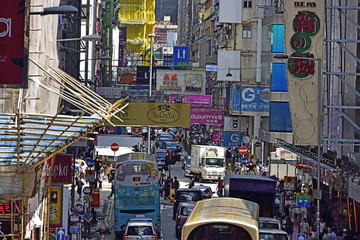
(55, 206)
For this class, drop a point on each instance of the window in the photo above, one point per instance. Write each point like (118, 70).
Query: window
(247, 3)
(246, 32)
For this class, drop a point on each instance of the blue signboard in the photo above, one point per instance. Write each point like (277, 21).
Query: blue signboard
(74, 230)
(60, 234)
(90, 162)
(168, 61)
(301, 237)
(244, 161)
(252, 99)
(231, 139)
(181, 56)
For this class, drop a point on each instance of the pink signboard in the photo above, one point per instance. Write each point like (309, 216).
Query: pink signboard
(216, 135)
(200, 100)
(206, 116)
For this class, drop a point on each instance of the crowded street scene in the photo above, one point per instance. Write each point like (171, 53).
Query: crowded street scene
(179, 120)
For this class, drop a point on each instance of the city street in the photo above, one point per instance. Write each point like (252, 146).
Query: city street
(168, 225)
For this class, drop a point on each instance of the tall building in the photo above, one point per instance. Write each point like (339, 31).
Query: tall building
(166, 8)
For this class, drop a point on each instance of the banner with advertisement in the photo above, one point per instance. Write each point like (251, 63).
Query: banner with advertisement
(198, 100)
(252, 99)
(304, 38)
(62, 169)
(181, 81)
(207, 116)
(14, 43)
(216, 135)
(155, 115)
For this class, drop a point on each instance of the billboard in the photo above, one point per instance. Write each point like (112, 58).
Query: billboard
(207, 116)
(62, 169)
(14, 43)
(231, 139)
(231, 124)
(252, 99)
(55, 206)
(181, 81)
(231, 11)
(155, 115)
(199, 100)
(228, 61)
(304, 38)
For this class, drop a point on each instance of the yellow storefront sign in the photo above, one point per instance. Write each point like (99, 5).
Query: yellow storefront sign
(55, 205)
(155, 115)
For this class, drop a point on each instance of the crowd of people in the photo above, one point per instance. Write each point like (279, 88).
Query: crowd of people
(200, 135)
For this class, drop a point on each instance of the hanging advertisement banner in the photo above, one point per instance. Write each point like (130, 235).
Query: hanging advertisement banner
(206, 116)
(155, 115)
(304, 38)
(62, 169)
(14, 43)
(198, 100)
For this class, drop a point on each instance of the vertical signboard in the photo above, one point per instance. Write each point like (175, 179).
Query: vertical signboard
(62, 169)
(122, 46)
(14, 43)
(181, 56)
(55, 206)
(304, 38)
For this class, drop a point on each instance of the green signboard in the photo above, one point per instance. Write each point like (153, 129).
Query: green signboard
(303, 200)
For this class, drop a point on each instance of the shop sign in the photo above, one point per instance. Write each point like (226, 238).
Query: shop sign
(252, 99)
(206, 116)
(55, 205)
(62, 168)
(199, 100)
(14, 43)
(155, 114)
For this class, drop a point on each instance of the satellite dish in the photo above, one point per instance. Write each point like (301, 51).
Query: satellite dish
(246, 139)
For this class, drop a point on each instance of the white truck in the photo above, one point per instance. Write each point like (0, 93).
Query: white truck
(207, 162)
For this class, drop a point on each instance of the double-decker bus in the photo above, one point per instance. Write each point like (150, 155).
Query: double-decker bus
(222, 218)
(136, 192)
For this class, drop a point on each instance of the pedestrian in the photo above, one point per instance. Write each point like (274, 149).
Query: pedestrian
(101, 178)
(88, 217)
(176, 184)
(304, 227)
(79, 185)
(167, 188)
(220, 187)
(191, 182)
(332, 233)
(289, 227)
(326, 236)
(94, 213)
(112, 188)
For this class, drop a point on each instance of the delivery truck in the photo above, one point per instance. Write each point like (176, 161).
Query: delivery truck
(257, 189)
(207, 162)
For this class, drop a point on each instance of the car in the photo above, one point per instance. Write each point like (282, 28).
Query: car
(143, 219)
(269, 223)
(162, 139)
(161, 156)
(186, 195)
(206, 190)
(272, 234)
(182, 214)
(140, 230)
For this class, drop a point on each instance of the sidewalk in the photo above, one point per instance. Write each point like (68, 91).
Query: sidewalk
(101, 210)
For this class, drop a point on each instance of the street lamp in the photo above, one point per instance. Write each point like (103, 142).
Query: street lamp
(92, 37)
(318, 192)
(151, 36)
(66, 9)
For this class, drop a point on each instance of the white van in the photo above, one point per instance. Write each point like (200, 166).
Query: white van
(272, 234)
(140, 230)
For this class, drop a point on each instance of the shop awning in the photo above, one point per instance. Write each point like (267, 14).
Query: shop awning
(25, 139)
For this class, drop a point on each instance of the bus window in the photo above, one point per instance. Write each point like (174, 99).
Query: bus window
(218, 231)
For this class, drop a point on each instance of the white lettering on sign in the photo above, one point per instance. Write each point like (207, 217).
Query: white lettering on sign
(248, 94)
(234, 138)
(194, 116)
(7, 31)
(61, 170)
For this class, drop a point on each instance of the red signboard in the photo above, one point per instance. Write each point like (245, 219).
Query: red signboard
(136, 130)
(14, 50)
(243, 150)
(62, 171)
(114, 147)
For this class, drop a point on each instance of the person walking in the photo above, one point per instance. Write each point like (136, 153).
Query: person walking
(88, 217)
(220, 187)
(167, 186)
(112, 188)
(176, 184)
(191, 182)
(101, 178)
(304, 227)
(79, 185)
(289, 227)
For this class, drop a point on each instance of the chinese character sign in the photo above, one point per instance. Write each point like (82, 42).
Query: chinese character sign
(304, 41)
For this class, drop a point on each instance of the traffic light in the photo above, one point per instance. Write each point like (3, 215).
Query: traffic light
(97, 164)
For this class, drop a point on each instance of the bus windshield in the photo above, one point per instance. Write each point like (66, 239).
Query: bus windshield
(216, 231)
(214, 162)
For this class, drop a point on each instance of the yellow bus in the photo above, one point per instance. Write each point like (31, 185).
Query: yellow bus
(222, 218)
